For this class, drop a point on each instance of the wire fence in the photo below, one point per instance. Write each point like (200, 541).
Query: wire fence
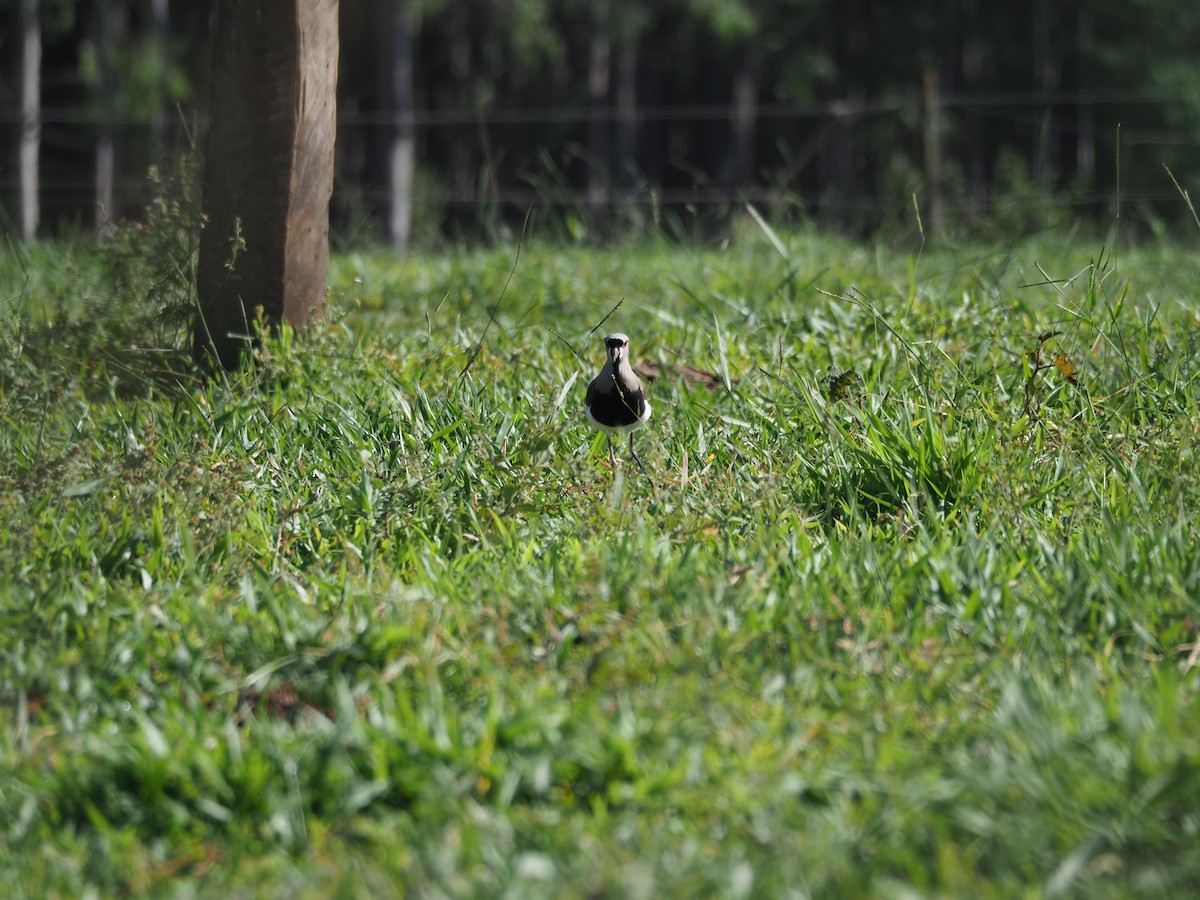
(898, 100)
(797, 137)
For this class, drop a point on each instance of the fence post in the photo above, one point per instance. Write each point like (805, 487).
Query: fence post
(268, 171)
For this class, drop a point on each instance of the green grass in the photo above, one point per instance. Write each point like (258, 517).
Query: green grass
(376, 618)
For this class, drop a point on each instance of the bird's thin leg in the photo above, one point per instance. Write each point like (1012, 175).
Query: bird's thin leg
(633, 453)
(611, 455)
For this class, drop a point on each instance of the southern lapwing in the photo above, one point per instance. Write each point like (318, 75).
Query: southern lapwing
(616, 400)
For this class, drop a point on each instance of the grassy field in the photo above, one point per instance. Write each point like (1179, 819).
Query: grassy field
(907, 606)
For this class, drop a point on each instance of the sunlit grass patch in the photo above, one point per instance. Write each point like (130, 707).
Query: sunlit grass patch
(907, 601)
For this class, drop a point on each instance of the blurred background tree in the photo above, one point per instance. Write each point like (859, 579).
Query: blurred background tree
(618, 117)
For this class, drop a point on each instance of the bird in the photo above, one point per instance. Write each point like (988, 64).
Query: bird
(616, 400)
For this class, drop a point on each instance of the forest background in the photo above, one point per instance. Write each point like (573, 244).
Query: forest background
(618, 117)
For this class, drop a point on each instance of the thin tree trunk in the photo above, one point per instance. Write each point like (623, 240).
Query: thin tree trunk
(972, 68)
(1045, 79)
(627, 126)
(108, 27)
(458, 94)
(31, 116)
(106, 163)
(402, 153)
(599, 52)
(1085, 146)
(160, 22)
(742, 119)
(931, 128)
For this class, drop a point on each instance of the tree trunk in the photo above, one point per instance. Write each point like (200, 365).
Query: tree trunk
(599, 52)
(627, 126)
(931, 128)
(402, 153)
(1085, 145)
(106, 164)
(108, 25)
(457, 94)
(743, 114)
(160, 22)
(31, 116)
(972, 76)
(1045, 80)
(268, 171)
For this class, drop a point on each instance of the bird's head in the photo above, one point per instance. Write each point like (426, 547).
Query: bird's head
(618, 347)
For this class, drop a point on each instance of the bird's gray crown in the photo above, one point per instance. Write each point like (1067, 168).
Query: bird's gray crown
(616, 340)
